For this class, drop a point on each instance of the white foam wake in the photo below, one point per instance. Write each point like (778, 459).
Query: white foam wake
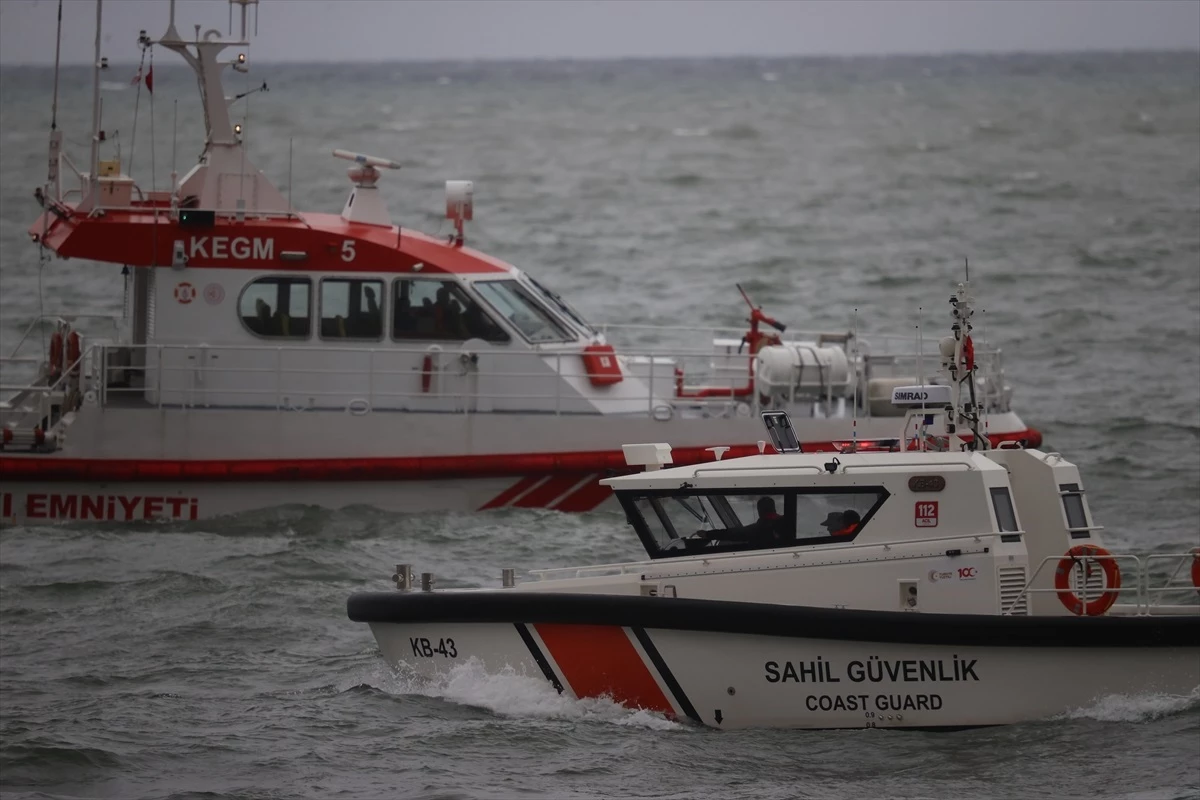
(513, 694)
(1136, 707)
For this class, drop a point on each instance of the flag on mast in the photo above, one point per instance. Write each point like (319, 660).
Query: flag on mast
(137, 78)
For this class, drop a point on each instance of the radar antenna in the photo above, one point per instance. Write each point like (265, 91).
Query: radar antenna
(365, 204)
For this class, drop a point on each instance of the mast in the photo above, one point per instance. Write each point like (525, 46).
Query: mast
(958, 361)
(225, 181)
(94, 161)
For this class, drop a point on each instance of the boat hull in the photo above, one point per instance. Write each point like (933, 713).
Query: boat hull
(735, 665)
(123, 465)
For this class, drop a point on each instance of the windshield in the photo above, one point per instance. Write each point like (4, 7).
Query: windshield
(678, 523)
(564, 307)
(515, 303)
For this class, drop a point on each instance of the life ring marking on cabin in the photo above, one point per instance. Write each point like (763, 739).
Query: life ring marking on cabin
(1084, 554)
(185, 293)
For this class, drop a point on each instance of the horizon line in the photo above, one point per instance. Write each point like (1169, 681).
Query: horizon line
(667, 58)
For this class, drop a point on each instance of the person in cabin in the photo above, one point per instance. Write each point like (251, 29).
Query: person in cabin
(371, 321)
(456, 326)
(842, 523)
(403, 322)
(766, 531)
(441, 313)
(426, 318)
(477, 324)
(262, 312)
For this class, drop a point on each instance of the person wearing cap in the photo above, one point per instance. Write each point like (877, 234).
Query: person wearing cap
(841, 523)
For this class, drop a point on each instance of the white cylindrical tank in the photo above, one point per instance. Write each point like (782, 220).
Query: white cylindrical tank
(804, 366)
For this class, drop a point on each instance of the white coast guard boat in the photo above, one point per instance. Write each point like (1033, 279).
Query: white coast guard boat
(269, 356)
(877, 588)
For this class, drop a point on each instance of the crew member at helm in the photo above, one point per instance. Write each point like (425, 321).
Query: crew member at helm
(763, 532)
(842, 523)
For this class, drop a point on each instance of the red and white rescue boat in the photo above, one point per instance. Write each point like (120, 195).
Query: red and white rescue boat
(877, 588)
(271, 356)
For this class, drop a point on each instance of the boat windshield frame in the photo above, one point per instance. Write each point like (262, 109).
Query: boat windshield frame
(509, 289)
(566, 309)
(653, 514)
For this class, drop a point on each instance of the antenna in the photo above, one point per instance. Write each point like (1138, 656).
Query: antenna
(986, 441)
(920, 379)
(857, 391)
(174, 147)
(967, 269)
(57, 51)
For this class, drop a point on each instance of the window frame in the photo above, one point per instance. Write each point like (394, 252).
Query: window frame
(290, 278)
(530, 297)
(462, 290)
(629, 497)
(383, 308)
(1073, 491)
(1006, 492)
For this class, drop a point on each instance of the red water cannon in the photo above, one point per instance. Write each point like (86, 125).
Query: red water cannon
(756, 338)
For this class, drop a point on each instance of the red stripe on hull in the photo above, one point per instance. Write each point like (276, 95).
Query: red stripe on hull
(55, 468)
(591, 494)
(511, 493)
(548, 492)
(600, 661)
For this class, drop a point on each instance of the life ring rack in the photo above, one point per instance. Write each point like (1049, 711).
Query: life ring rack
(1112, 580)
(56, 354)
(73, 346)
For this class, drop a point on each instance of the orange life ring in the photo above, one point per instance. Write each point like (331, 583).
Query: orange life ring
(72, 359)
(1112, 580)
(1196, 568)
(56, 354)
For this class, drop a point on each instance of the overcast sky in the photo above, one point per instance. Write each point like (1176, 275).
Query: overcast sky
(374, 30)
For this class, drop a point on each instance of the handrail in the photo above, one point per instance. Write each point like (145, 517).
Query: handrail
(1141, 585)
(59, 318)
(730, 467)
(202, 381)
(899, 464)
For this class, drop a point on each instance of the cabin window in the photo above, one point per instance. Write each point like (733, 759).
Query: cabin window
(682, 523)
(277, 307)
(351, 308)
(440, 310)
(1006, 517)
(1072, 498)
(515, 303)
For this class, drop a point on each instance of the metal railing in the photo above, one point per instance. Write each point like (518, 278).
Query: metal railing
(390, 376)
(1146, 591)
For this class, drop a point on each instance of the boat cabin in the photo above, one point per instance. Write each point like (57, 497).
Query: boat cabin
(933, 531)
